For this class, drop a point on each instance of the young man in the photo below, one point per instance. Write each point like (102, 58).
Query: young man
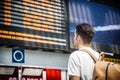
(80, 64)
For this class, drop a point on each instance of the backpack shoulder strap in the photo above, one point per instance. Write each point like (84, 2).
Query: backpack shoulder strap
(92, 56)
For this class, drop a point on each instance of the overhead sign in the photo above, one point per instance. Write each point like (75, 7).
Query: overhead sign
(18, 55)
(39, 23)
(12, 73)
(8, 73)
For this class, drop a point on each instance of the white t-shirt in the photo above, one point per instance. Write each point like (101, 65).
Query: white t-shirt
(81, 64)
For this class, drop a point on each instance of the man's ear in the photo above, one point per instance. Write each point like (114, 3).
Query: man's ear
(76, 38)
(79, 38)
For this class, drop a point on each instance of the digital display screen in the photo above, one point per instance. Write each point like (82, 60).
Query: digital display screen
(105, 20)
(34, 23)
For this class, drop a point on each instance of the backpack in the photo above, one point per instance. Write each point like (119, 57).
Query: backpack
(104, 70)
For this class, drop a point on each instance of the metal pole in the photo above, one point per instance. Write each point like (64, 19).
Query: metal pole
(20, 73)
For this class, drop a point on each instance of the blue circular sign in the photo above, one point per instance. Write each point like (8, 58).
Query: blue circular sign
(17, 55)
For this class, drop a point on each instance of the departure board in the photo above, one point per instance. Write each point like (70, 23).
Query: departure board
(34, 23)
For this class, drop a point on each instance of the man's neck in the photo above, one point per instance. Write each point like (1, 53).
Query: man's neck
(82, 46)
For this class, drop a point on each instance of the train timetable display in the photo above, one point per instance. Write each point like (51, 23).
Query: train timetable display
(34, 23)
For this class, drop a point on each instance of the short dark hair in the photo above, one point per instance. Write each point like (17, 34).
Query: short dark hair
(86, 31)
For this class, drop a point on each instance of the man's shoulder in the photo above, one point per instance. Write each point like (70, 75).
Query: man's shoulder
(94, 52)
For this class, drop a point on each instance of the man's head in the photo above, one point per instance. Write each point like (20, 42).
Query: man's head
(84, 33)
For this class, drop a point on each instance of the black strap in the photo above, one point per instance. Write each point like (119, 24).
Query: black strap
(107, 71)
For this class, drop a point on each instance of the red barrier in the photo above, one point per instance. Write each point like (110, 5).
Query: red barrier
(53, 74)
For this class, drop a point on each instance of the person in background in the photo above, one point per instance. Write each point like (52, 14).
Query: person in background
(80, 63)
